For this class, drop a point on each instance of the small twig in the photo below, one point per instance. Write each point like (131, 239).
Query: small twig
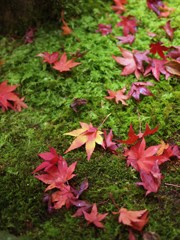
(104, 121)
(140, 122)
(173, 185)
(113, 201)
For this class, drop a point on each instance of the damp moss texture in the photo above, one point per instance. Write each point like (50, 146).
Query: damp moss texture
(48, 94)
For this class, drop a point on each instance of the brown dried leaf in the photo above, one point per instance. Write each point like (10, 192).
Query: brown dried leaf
(173, 67)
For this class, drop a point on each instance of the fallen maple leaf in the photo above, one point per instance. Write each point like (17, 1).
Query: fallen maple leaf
(151, 181)
(158, 48)
(83, 206)
(108, 143)
(126, 39)
(157, 66)
(118, 96)
(129, 24)
(162, 147)
(49, 57)
(129, 62)
(66, 29)
(104, 29)
(9, 99)
(160, 8)
(29, 35)
(57, 175)
(173, 67)
(169, 30)
(78, 102)
(50, 159)
(62, 197)
(63, 65)
(135, 219)
(119, 6)
(138, 88)
(140, 158)
(132, 137)
(133, 62)
(87, 135)
(84, 185)
(174, 53)
(95, 217)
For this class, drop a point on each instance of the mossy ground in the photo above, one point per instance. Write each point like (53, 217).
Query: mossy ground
(49, 95)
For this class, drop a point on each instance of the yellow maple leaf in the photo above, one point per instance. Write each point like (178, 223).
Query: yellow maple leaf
(87, 135)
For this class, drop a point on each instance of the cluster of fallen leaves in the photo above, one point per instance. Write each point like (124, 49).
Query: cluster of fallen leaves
(62, 64)
(56, 173)
(54, 170)
(9, 99)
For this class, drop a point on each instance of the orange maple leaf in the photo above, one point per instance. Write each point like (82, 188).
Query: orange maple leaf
(63, 65)
(118, 96)
(87, 135)
(66, 29)
(134, 219)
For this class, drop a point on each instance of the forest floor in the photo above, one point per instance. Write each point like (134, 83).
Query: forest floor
(49, 94)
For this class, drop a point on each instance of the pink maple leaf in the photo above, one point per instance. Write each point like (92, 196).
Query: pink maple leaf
(157, 67)
(151, 181)
(108, 143)
(104, 29)
(129, 24)
(138, 88)
(57, 175)
(135, 219)
(95, 217)
(50, 159)
(126, 39)
(140, 158)
(118, 96)
(49, 57)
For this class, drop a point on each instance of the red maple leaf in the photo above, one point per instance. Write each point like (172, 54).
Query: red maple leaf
(95, 217)
(29, 35)
(169, 30)
(63, 65)
(83, 206)
(157, 66)
(104, 29)
(49, 57)
(62, 197)
(132, 137)
(158, 48)
(9, 99)
(138, 88)
(108, 143)
(140, 158)
(151, 181)
(57, 175)
(119, 6)
(50, 159)
(133, 62)
(66, 29)
(118, 96)
(126, 39)
(129, 24)
(87, 135)
(135, 219)
(160, 8)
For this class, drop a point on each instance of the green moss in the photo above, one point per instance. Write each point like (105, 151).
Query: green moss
(49, 95)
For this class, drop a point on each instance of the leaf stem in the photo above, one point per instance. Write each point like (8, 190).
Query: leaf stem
(173, 185)
(104, 120)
